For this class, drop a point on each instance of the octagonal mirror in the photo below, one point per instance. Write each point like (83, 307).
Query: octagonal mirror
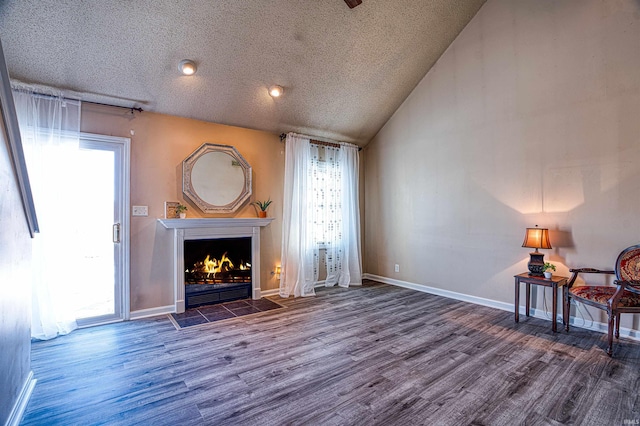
(216, 178)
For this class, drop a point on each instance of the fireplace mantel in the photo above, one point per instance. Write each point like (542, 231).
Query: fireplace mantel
(212, 228)
(214, 222)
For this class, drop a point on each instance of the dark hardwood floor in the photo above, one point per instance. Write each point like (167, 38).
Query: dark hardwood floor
(361, 356)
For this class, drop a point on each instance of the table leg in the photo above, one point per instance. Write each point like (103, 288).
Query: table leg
(517, 305)
(528, 296)
(554, 309)
(566, 309)
(564, 314)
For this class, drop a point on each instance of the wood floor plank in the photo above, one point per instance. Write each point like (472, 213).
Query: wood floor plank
(360, 356)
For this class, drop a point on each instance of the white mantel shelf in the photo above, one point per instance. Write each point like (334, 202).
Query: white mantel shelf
(214, 222)
(212, 228)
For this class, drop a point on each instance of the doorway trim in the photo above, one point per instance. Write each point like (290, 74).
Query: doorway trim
(123, 187)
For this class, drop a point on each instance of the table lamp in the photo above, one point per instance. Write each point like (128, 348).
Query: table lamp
(537, 238)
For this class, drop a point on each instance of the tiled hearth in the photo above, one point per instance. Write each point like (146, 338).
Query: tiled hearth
(222, 311)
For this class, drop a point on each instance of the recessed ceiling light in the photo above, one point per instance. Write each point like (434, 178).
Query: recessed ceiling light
(276, 91)
(187, 67)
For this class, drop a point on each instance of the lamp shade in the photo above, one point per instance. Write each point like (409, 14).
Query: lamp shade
(537, 238)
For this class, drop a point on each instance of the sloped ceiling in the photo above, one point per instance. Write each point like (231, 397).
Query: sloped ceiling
(344, 71)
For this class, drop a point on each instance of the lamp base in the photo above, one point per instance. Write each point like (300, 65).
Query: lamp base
(536, 264)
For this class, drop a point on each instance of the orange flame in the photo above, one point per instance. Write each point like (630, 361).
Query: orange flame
(213, 266)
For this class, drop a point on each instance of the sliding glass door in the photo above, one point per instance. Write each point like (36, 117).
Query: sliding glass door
(97, 240)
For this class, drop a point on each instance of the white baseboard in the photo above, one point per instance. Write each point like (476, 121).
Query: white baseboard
(152, 312)
(276, 291)
(536, 313)
(15, 417)
(267, 293)
(441, 292)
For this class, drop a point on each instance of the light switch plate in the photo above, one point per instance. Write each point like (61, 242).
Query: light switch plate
(140, 211)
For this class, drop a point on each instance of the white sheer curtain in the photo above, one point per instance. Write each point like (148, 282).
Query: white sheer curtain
(50, 130)
(298, 273)
(348, 271)
(321, 216)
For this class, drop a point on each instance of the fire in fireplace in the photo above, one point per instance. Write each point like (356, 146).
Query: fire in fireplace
(223, 270)
(217, 270)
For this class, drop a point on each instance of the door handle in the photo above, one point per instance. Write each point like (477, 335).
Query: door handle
(116, 232)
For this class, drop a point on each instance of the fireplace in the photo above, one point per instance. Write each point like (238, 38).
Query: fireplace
(217, 270)
(185, 230)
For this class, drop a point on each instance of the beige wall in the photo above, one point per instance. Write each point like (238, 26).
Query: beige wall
(532, 116)
(15, 287)
(158, 146)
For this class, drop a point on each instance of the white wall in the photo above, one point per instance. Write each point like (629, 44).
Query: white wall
(15, 289)
(532, 116)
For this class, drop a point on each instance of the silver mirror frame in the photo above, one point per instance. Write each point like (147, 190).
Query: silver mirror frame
(187, 185)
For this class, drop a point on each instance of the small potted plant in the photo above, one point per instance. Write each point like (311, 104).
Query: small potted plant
(181, 209)
(547, 268)
(262, 207)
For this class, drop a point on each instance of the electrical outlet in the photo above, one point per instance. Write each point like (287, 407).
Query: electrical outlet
(397, 268)
(140, 211)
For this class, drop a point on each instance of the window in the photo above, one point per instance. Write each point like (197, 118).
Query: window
(325, 204)
(320, 212)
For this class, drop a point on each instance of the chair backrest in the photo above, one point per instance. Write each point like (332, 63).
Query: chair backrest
(628, 264)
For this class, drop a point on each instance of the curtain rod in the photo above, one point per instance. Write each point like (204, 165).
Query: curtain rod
(46, 95)
(322, 143)
(114, 106)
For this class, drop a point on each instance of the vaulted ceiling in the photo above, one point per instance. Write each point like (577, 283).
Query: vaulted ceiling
(344, 70)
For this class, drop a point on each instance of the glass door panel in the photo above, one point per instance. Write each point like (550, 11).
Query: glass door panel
(99, 232)
(93, 293)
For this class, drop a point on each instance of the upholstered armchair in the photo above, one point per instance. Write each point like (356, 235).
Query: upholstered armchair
(623, 298)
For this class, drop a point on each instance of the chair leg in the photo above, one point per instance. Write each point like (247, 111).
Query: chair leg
(610, 328)
(618, 325)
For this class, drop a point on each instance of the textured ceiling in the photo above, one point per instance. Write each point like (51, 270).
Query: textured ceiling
(344, 71)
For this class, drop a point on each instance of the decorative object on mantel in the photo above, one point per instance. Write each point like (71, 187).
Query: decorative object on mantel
(537, 238)
(263, 206)
(181, 209)
(170, 211)
(547, 268)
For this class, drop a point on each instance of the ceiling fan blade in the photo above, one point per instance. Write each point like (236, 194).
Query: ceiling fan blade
(352, 3)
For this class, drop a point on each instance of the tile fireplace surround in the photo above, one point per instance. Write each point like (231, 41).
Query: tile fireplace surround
(207, 229)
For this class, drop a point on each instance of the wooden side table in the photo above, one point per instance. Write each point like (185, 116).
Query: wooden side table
(554, 282)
